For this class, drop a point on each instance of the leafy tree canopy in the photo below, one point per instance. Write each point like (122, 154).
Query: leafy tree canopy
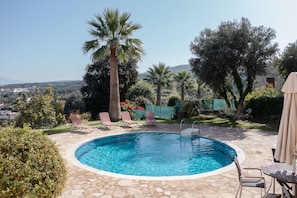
(287, 63)
(42, 110)
(95, 90)
(141, 90)
(229, 58)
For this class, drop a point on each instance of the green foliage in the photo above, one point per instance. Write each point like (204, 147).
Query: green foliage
(74, 102)
(185, 82)
(95, 91)
(112, 39)
(142, 92)
(229, 58)
(64, 90)
(112, 29)
(161, 77)
(142, 101)
(191, 108)
(85, 116)
(288, 60)
(268, 91)
(265, 103)
(30, 165)
(40, 111)
(172, 100)
(203, 90)
(130, 106)
(265, 107)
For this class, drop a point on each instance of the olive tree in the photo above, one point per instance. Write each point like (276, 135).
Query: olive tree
(287, 63)
(229, 58)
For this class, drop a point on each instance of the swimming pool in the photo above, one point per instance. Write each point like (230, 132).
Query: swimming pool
(155, 154)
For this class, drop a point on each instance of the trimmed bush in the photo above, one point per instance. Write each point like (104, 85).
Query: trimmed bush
(266, 107)
(30, 165)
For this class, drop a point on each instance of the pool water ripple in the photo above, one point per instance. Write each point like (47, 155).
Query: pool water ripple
(155, 154)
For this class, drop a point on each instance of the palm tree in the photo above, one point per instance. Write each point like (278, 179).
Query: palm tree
(112, 38)
(160, 76)
(202, 88)
(184, 81)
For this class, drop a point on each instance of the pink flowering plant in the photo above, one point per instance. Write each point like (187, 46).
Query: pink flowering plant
(130, 106)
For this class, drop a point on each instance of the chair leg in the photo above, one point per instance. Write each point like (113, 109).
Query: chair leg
(239, 190)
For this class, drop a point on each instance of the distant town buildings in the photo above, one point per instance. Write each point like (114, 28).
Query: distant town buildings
(7, 115)
(14, 90)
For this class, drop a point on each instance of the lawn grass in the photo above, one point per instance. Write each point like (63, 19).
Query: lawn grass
(212, 119)
(67, 128)
(59, 129)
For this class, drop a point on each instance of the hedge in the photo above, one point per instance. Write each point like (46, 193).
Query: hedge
(30, 165)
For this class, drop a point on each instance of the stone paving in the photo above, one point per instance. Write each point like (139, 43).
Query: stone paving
(83, 182)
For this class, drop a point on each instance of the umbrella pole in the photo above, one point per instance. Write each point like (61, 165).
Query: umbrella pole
(294, 190)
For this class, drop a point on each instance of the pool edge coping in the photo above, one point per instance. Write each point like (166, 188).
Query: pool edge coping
(70, 156)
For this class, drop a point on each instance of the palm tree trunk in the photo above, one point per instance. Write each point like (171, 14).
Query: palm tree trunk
(114, 99)
(183, 93)
(159, 95)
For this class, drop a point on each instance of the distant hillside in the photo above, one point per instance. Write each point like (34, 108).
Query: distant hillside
(179, 68)
(56, 85)
(174, 69)
(6, 81)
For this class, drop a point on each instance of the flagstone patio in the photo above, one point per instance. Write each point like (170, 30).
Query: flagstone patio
(83, 182)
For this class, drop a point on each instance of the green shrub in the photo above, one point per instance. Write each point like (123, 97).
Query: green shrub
(268, 91)
(191, 108)
(266, 103)
(141, 89)
(265, 107)
(30, 165)
(142, 101)
(42, 110)
(172, 100)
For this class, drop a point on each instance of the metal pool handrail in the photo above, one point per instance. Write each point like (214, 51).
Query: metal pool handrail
(193, 125)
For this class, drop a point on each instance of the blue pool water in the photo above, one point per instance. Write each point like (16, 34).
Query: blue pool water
(155, 154)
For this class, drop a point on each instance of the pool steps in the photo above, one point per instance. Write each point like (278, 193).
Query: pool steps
(190, 132)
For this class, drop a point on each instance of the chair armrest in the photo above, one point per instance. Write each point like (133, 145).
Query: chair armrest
(259, 169)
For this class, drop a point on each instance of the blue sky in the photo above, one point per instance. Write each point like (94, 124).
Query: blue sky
(42, 40)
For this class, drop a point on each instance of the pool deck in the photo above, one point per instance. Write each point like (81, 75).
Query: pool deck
(84, 182)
